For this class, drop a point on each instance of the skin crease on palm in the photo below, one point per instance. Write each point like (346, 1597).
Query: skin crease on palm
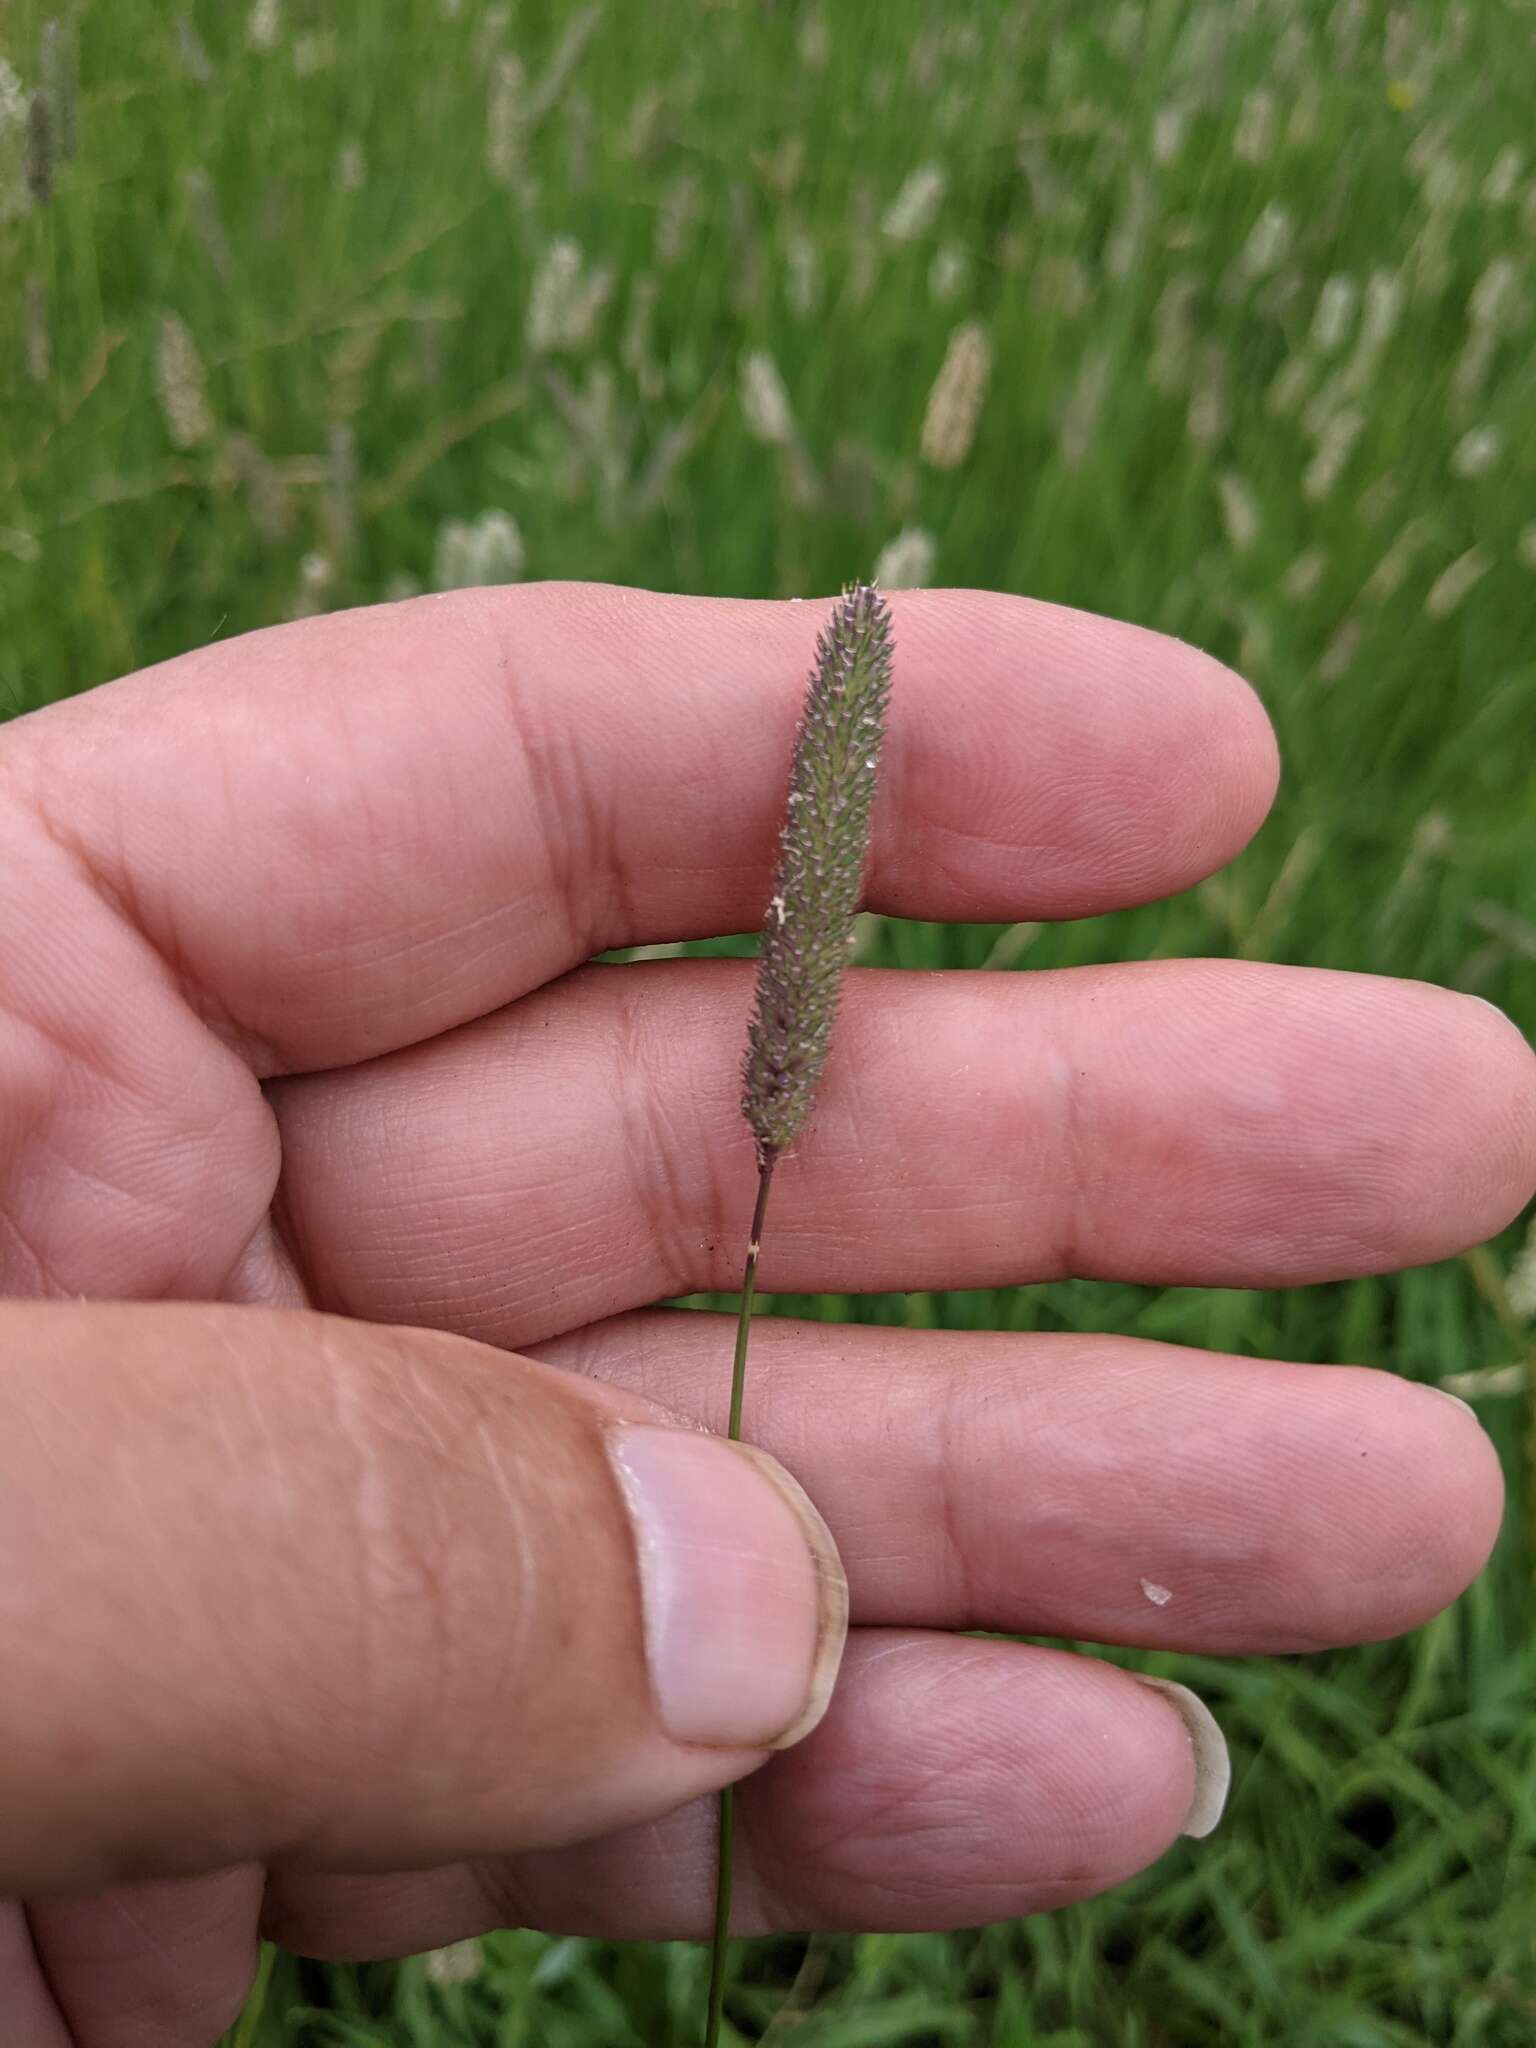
(334, 1188)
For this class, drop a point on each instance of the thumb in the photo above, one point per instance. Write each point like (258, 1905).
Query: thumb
(285, 1588)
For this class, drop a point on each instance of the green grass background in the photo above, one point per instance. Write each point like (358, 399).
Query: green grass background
(313, 196)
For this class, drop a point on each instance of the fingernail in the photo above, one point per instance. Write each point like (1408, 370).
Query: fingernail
(1213, 1766)
(744, 1598)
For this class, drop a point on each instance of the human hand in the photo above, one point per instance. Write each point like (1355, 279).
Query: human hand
(331, 1624)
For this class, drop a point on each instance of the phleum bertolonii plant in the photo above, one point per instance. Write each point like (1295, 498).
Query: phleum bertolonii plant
(808, 936)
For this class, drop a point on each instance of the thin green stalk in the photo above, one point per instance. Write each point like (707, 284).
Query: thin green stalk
(733, 1433)
(748, 1289)
(244, 2035)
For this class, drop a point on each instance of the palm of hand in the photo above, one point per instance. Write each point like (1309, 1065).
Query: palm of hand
(297, 1020)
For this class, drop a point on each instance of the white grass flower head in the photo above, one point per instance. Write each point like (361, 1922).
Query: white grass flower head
(1304, 575)
(460, 1963)
(1239, 511)
(907, 562)
(264, 25)
(1169, 126)
(555, 285)
(1173, 333)
(450, 556)
(351, 166)
(1525, 546)
(1495, 308)
(317, 574)
(20, 544)
(1254, 136)
(1477, 451)
(1503, 180)
(1494, 301)
(181, 384)
(916, 206)
(1289, 386)
(765, 403)
(193, 52)
(505, 118)
(1386, 295)
(1079, 423)
(1208, 414)
(471, 553)
(1338, 656)
(499, 554)
(949, 273)
(1455, 584)
(265, 494)
(1335, 313)
(1391, 572)
(1335, 445)
(13, 144)
(815, 40)
(13, 100)
(1520, 1287)
(318, 51)
(567, 298)
(802, 273)
(958, 394)
(1268, 242)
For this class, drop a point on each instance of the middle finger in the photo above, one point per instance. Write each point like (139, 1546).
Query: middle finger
(1209, 1123)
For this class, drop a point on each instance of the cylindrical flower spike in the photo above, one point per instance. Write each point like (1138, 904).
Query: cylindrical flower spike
(809, 930)
(807, 937)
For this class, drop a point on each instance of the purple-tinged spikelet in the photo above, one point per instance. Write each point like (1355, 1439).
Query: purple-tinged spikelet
(808, 933)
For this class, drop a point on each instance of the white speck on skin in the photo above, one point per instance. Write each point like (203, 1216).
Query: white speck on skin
(1158, 1595)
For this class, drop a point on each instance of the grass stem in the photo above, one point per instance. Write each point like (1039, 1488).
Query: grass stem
(716, 2005)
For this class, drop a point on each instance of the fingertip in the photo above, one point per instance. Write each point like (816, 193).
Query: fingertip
(1068, 763)
(1248, 752)
(1512, 1065)
(1161, 1768)
(1206, 767)
(1222, 756)
(1409, 1499)
(1460, 1492)
(1477, 1138)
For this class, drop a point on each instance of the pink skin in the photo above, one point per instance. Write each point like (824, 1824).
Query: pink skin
(237, 878)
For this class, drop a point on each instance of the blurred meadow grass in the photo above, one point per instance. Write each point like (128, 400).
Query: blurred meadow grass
(1214, 314)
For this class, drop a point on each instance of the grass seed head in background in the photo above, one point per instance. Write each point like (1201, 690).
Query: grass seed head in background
(822, 854)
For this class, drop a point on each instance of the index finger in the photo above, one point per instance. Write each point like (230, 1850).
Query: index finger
(353, 833)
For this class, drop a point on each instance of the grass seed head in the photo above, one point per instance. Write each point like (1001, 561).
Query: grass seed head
(954, 403)
(181, 383)
(808, 933)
